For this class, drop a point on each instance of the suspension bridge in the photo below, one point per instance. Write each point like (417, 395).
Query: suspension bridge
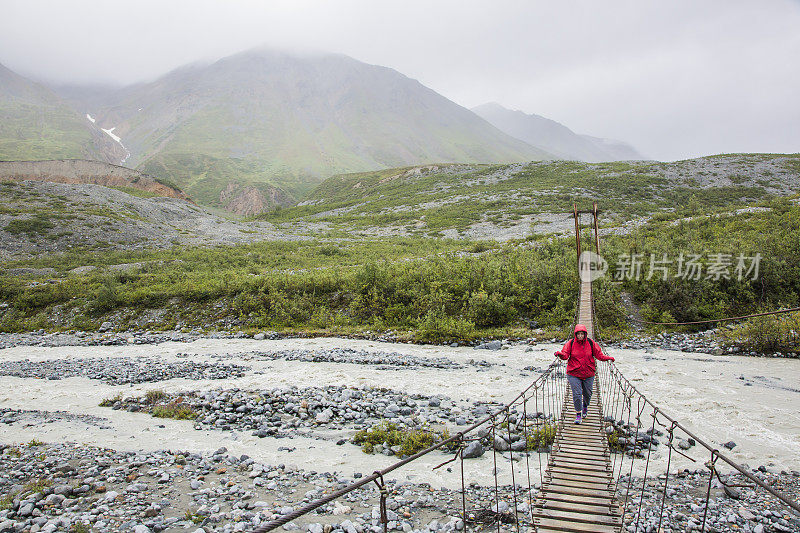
(586, 481)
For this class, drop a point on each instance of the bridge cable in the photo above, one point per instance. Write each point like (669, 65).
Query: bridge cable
(729, 319)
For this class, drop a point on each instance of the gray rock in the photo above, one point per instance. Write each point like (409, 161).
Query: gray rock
(473, 450)
(31, 272)
(519, 445)
(500, 507)
(325, 416)
(745, 514)
(731, 492)
(25, 510)
(348, 527)
(500, 444)
(491, 345)
(64, 490)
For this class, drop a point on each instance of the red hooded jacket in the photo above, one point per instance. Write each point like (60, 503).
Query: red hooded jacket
(580, 355)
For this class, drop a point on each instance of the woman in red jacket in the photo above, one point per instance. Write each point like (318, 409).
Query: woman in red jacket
(580, 353)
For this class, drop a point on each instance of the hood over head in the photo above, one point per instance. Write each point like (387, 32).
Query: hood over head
(581, 327)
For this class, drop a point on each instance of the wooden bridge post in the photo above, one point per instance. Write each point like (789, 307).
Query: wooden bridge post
(596, 230)
(577, 233)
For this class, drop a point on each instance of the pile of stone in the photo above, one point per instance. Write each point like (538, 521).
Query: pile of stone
(628, 438)
(69, 487)
(36, 417)
(383, 360)
(750, 510)
(120, 370)
(289, 411)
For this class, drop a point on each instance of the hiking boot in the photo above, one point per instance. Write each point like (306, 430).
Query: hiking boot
(585, 412)
(578, 418)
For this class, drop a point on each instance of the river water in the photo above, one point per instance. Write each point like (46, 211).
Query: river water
(754, 402)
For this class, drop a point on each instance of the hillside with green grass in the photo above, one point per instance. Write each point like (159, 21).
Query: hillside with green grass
(422, 289)
(519, 200)
(36, 124)
(332, 276)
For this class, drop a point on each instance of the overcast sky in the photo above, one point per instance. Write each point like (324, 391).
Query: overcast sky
(676, 79)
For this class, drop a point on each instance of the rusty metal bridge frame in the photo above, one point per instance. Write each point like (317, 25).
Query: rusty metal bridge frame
(580, 488)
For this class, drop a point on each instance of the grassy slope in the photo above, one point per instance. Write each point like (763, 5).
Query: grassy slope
(296, 157)
(457, 196)
(436, 288)
(36, 124)
(33, 132)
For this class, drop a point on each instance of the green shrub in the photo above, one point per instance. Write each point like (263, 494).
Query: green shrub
(7, 502)
(106, 299)
(109, 402)
(543, 436)
(192, 516)
(176, 410)
(439, 327)
(490, 310)
(36, 485)
(766, 334)
(155, 396)
(39, 224)
(410, 441)
(613, 441)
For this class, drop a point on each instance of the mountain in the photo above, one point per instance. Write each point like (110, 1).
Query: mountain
(555, 137)
(35, 123)
(276, 124)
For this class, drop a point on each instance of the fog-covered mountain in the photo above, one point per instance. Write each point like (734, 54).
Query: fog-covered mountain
(270, 124)
(35, 123)
(555, 137)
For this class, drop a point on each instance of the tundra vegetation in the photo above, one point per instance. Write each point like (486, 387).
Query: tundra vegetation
(436, 289)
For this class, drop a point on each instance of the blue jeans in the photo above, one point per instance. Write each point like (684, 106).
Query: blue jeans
(581, 392)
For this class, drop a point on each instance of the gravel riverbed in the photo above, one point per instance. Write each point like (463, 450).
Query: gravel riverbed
(286, 410)
(68, 487)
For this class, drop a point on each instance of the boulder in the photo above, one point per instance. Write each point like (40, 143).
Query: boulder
(473, 450)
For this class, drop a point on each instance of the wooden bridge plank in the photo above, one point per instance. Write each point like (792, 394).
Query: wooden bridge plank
(578, 506)
(551, 524)
(583, 474)
(575, 517)
(577, 492)
(581, 467)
